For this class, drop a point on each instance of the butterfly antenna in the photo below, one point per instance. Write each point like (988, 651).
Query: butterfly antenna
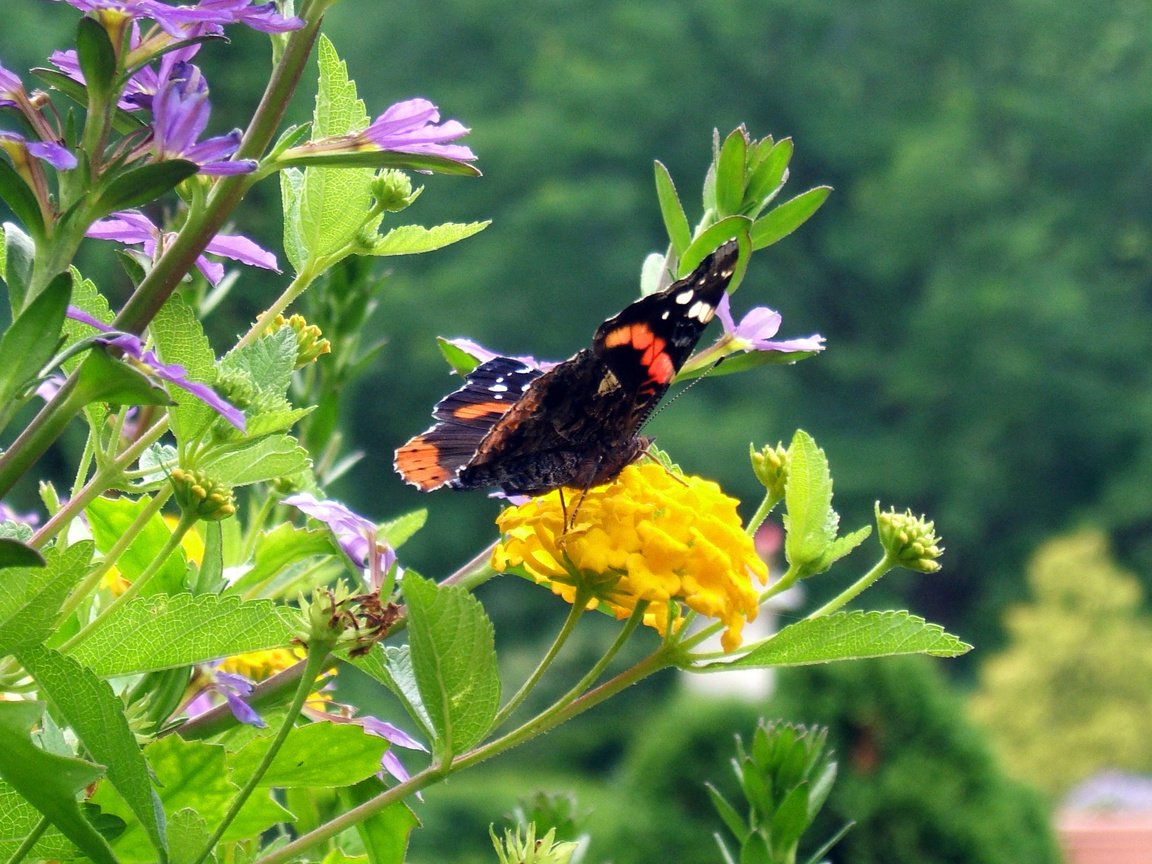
(664, 403)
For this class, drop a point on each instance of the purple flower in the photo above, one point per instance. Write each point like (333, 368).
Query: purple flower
(756, 329)
(7, 514)
(48, 151)
(411, 127)
(235, 689)
(394, 735)
(209, 15)
(355, 535)
(143, 84)
(173, 373)
(10, 88)
(180, 111)
(133, 227)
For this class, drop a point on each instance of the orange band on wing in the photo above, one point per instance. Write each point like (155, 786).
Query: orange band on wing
(481, 409)
(418, 462)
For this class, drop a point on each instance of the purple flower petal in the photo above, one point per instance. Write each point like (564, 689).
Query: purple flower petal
(482, 355)
(351, 530)
(411, 127)
(10, 87)
(207, 17)
(756, 329)
(54, 154)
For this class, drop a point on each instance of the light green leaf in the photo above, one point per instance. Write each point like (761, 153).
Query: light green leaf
(414, 239)
(291, 187)
(180, 338)
(51, 783)
(454, 662)
(97, 717)
(672, 211)
(110, 519)
(396, 532)
(770, 174)
(384, 834)
(810, 521)
(279, 549)
(191, 775)
(17, 820)
(315, 755)
(187, 834)
(268, 361)
(460, 360)
(265, 459)
(29, 343)
(392, 666)
(31, 597)
(849, 636)
(730, 173)
(164, 632)
(333, 202)
(841, 547)
(709, 240)
(781, 221)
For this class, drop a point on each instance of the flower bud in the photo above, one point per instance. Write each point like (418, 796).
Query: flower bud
(770, 465)
(310, 343)
(528, 850)
(910, 541)
(197, 493)
(392, 190)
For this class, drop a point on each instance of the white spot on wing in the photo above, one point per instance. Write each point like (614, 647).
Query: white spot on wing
(685, 296)
(499, 388)
(701, 311)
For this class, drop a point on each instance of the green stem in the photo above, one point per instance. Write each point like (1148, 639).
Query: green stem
(768, 503)
(297, 287)
(220, 718)
(569, 625)
(313, 666)
(26, 846)
(39, 434)
(187, 520)
(883, 566)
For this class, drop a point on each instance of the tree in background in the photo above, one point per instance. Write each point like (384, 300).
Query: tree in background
(1072, 692)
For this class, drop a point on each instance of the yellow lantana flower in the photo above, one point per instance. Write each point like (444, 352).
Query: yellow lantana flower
(647, 536)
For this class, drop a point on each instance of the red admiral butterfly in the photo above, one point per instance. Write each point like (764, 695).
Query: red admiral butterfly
(529, 431)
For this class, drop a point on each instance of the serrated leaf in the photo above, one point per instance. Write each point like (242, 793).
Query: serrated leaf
(810, 521)
(138, 186)
(315, 755)
(266, 459)
(187, 834)
(396, 532)
(454, 661)
(850, 636)
(165, 632)
(839, 548)
(191, 775)
(32, 338)
(268, 361)
(672, 211)
(13, 553)
(730, 173)
(31, 597)
(392, 666)
(279, 549)
(334, 202)
(18, 819)
(110, 519)
(22, 202)
(781, 221)
(384, 834)
(415, 239)
(97, 717)
(50, 782)
(180, 339)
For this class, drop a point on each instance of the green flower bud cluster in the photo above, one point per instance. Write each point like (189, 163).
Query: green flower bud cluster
(910, 541)
(770, 465)
(310, 342)
(392, 190)
(198, 493)
(528, 850)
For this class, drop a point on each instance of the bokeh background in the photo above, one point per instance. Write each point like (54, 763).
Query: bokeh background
(983, 275)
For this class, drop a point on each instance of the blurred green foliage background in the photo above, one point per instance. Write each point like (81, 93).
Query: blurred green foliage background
(983, 271)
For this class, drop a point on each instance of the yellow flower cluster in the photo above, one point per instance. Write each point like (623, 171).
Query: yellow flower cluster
(647, 536)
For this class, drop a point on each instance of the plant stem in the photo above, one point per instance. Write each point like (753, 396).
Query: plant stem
(766, 506)
(883, 566)
(26, 846)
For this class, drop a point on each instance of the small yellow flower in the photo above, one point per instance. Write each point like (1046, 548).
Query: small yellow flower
(647, 536)
(259, 665)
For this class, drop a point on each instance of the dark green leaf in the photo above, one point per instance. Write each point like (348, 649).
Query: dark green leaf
(48, 781)
(382, 159)
(138, 186)
(13, 553)
(781, 221)
(21, 200)
(103, 379)
(97, 717)
(710, 239)
(672, 211)
(96, 55)
(790, 819)
(755, 851)
(33, 338)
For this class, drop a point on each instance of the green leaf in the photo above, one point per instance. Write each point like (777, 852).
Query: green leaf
(454, 661)
(187, 834)
(755, 851)
(21, 200)
(180, 338)
(415, 239)
(96, 715)
(357, 160)
(96, 56)
(730, 173)
(103, 379)
(279, 549)
(266, 459)
(124, 122)
(384, 834)
(110, 519)
(743, 362)
(781, 221)
(841, 547)
(164, 632)
(13, 553)
(810, 521)
(141, 185)
(672, 211)
(191, 775)
(51, 783)
(770, 174)
(316, 755)
(710, 239)
(268, 361)
(460, 360)
(31, 597)
(790, 819)
(333, 202)
(396, 532)
(33, 337)
(727, 813)
(18, 819)
(392, 667)
(849, 636)
(291, 188)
